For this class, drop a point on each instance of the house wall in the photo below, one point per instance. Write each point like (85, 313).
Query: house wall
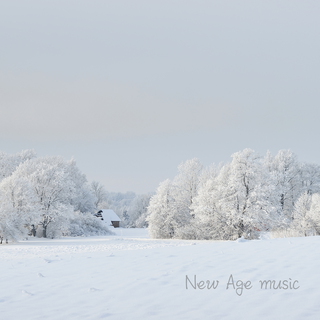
(116, 224)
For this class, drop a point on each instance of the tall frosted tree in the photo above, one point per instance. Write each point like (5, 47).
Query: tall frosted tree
(241, 195)
(210, 219)
(314, 213)
(161, 212)
(301, 217)
(186, 188)
(100, 195)
(310, 178)
(285, 175)
(231, 205)
(10, 162)
(242, 192)
(82, 198)
(18, 207)
(306, 215)
(137, 212)
(52, 185)
(43, 191)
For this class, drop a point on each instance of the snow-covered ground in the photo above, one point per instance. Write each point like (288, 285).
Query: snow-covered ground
(129, 276)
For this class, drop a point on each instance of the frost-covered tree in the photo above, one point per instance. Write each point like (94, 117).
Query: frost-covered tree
(242, 196)
(9, 162)
(161, 212)
(314, 213)
(233, 204)
(172, 204)
(120, 203)
(83, 198)
(289, 179)
(52, 185)
(59, 189)
(285, 175)
(100, 194)
(138, 210)
(210, 220)
(301, 217)
(186, 185)
(42, 191)
(306, 215)
(19, 208)
(130, 207)
(309, 178)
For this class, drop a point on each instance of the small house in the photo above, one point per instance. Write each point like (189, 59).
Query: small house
(109, 217)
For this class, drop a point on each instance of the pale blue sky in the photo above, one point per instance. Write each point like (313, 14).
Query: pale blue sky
(133, 88)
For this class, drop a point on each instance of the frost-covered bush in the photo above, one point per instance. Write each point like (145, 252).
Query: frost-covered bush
(286, 233)
(85, 224)
(187, 232)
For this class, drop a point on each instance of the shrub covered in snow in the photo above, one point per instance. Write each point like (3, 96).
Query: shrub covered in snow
(85, 224)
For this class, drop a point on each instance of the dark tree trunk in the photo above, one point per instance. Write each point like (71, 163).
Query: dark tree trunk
(241, 229)
(282, 201)
(44, 233)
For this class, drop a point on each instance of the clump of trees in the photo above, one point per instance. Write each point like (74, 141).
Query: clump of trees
(242, 198)
(47, 192)
(129, 206)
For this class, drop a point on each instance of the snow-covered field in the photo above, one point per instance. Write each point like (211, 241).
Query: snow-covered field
(129, 276)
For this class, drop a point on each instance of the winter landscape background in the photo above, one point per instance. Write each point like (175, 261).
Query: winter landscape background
(76, 266)
(149, 109)
(251, 195)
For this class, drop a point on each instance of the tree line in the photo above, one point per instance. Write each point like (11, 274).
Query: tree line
(129, 206)
(242, 198)
(45, 194)
(50, 197)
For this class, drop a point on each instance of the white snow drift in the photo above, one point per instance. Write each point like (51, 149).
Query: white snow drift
(129, 276)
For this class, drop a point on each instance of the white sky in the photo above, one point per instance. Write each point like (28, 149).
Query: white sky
(133, 88)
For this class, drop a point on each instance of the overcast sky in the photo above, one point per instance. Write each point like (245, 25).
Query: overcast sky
(130, 89)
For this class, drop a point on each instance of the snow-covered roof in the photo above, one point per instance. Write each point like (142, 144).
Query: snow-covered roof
(109, 215)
